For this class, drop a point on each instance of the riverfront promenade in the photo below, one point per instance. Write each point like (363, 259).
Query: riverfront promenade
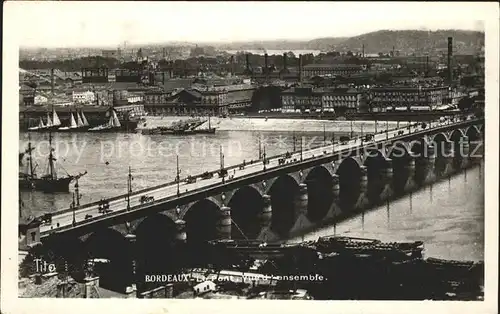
(64, 219)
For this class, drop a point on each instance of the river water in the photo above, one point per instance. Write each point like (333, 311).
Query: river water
(449, 217)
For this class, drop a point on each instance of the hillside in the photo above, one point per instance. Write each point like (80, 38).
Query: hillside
(408, 41)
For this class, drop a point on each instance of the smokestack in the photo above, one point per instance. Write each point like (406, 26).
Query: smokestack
(300, 68)
(52, 81)
(284, 62)
(363, 51)
(163, 77)
(266, 67)
(426, 65)
(247, 61)
(450, 52)
(232, 65)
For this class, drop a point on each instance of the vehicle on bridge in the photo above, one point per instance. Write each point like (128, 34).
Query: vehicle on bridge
(344, 139)
(103, 207)
(88, 216)
(190, 179)
(146, 199)
(368, 137)
(281, 161)
(222, 173)
(46, 219)
(207, 175)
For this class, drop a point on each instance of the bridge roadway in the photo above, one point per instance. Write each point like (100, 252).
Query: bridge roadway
(64, 219)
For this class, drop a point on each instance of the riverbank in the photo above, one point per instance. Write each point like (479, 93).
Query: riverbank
(278, 125)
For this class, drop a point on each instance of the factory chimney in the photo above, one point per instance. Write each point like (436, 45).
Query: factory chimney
(247, 61)
(284, 62)
(363, 51)
(266, 67)
(300, 68)
(450, 53)
(52, 81)
(426, 66)
(163, 77)
(231, 61)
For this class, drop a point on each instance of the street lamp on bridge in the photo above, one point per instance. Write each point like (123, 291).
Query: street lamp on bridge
(301, 147)
(129, 187)
(77, 191)
(73, 209)
(264, 157)
(222, 172)
(177, 176)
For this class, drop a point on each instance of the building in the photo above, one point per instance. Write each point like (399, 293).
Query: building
(83, 96)
(331, 69)
(132, 109)
(201, 100)
(407, 97)
(204, 287)
(111, 53)
(29, 232)
(309, 99)
(133, 98)
(303, 99)
(40, 100)
(343, 100)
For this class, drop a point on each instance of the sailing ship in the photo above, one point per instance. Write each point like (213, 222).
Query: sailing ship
(51, 125)
(79, 125)
(209, 130)
(112, 125)
(50, 182)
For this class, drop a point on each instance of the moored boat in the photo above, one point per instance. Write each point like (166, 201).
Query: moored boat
(51, 125)
(76, 125)
(112, 125)
(50, 182)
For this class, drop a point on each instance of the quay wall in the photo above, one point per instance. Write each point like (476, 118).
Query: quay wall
(241, 123)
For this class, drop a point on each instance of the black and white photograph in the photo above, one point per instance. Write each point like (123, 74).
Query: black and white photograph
(252, 151)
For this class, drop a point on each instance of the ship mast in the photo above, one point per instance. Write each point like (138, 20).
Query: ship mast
(52, 172)
(30, 157)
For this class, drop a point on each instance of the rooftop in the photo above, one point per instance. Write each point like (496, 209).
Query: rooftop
(333, 66)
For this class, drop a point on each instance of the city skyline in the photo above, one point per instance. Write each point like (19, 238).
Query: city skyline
(109, 24)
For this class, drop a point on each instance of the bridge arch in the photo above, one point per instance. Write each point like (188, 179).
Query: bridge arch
(401, 158)
(283, 192)
(111, 245)
(70, 249)
(246, 206)
(375, 161)
(473, 133)
(155, 246)
(349, 172)
(201, 221)
(440, 141)
(320, 192)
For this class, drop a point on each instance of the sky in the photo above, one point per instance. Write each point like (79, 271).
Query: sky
(85, 24)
